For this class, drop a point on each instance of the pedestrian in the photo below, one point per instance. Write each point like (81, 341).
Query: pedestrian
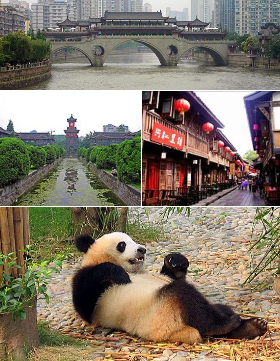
(261, 187)
(254, 188)
(250, 184)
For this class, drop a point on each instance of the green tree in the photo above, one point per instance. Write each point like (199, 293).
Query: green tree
(249, 156)
(129, 161)
(242, 38)
(18, 47)
(272, 48)
(14, 160)
(249, 43)
(40, 50)
(51, 153)
(37, 155)
(10, 128)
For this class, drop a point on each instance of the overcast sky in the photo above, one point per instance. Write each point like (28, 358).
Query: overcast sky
(228, 106)
(48, 110)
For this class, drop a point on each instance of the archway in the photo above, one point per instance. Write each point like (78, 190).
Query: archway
(71, 48)
(160, 57)
(217, 57)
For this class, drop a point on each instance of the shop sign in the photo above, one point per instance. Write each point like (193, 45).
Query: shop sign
(167, 136)
(232, 168)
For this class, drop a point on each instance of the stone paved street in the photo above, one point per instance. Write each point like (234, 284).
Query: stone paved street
(215, 240)
(240, 198)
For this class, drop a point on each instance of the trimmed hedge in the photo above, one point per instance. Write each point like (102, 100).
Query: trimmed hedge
(14, 160)
(17, 158)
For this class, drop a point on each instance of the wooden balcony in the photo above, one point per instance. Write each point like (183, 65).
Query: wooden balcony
(217, 158)
(150, 118)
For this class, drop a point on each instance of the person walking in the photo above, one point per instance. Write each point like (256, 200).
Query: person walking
(250, 184)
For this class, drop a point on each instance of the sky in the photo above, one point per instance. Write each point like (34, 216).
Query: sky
(228, 107)
(46, 111)
(178, 5)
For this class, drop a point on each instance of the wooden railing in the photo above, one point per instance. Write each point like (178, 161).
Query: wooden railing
(149, 119)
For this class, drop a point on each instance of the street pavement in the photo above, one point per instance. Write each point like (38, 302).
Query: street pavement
(239, 198)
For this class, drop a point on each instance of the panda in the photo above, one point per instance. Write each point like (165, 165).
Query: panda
(112, 290)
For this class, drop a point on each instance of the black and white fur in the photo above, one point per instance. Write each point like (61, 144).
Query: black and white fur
(110, 290)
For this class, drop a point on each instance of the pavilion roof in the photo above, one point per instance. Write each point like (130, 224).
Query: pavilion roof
(133, 16)
(25, 136)
(68, 22)
(4, 131)
(197, 23)
(71, 119)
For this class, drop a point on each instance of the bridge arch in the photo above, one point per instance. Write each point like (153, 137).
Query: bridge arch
(218, 58)
(152, 47)
(73, 47)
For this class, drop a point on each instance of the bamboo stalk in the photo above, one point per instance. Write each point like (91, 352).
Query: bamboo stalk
(18, 226)
(15, 271)
(1, 267)
(5, 235)
(26, 228)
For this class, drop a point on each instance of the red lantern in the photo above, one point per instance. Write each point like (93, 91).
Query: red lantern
(220, 144)
(232, 154)
(255, 126)
(208, 127)
(182, 106)
(256, 139)
(227, 149)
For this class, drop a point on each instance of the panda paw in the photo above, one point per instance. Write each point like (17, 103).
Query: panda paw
(175, 266)
(249, 329)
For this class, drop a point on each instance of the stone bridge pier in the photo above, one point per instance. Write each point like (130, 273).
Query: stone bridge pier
(168, 49)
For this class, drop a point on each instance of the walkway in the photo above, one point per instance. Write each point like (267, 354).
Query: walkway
(240, 198)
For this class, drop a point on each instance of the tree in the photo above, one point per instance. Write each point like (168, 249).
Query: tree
(249, 43)
(129, 161)
(37, 155)
(272, 48)
(10, 128)
(249, 156)
(18, 47)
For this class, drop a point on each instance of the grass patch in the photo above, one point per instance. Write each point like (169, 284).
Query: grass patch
(136, 185)
(143, 233)
(49, 337)
(50, 228)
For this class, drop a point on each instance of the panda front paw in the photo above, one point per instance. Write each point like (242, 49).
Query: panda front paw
(175, 266)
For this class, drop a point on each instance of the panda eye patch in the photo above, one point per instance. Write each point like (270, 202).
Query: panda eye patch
(121, 247)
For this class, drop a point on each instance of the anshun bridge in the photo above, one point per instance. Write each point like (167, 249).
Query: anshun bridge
(168, 38)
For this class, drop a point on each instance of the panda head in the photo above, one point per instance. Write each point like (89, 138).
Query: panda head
(117, 248)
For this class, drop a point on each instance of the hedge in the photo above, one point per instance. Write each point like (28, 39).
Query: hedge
(37, 156)
(14, 160)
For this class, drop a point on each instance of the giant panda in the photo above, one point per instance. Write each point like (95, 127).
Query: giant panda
(112, 290)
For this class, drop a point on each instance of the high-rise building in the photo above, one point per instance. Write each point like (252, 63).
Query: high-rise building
(202, 9)
(250, 15)
(147, 8)
(225, 14)
(179, 15)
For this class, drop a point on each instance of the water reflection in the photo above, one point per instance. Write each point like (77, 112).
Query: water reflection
(71, 178)
(70, 184)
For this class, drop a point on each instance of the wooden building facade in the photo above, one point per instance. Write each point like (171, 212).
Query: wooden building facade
(263, 113)
(177, 153)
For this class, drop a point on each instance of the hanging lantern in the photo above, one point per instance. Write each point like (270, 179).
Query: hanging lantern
(232, 154)
(256, 146)
(237, 162)
(182, 106)
(220, 144)
(207, 127)
(256, 139)
(227, 149)
(255, 126)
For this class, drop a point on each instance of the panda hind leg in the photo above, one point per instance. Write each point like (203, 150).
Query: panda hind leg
(187, 334)
(249, 329)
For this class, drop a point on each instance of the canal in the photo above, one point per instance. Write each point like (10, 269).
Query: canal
(71, 183)
(142, 71)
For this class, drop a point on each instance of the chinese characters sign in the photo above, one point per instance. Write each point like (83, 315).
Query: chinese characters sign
(167, 136)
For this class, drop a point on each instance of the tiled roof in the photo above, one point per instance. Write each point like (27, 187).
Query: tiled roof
(133, 16)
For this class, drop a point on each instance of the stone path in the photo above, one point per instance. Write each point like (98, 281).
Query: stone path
(239, 198)
(215, 240)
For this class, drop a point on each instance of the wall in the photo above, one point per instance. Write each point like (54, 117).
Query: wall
(242, 60)
(129, 195)
(9, 194)
(19, 78)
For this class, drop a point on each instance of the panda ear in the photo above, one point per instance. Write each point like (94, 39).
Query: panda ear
(83, 242)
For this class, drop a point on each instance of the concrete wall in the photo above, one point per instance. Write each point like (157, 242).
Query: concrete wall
(129, 195)
(19, 78)
(9, 194)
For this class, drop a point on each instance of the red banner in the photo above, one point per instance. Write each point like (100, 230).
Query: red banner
(167, 136)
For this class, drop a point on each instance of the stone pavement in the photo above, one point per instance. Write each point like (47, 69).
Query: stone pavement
(233, 197)
(216, 241)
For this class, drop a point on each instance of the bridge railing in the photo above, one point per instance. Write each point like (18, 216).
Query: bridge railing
(23, 66)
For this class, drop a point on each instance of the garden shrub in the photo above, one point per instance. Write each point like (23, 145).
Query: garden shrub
(14, 160)
(51, 153)
(129, 161)
(37, 155)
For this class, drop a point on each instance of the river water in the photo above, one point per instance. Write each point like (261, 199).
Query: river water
(71, 183)
(141, 71)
